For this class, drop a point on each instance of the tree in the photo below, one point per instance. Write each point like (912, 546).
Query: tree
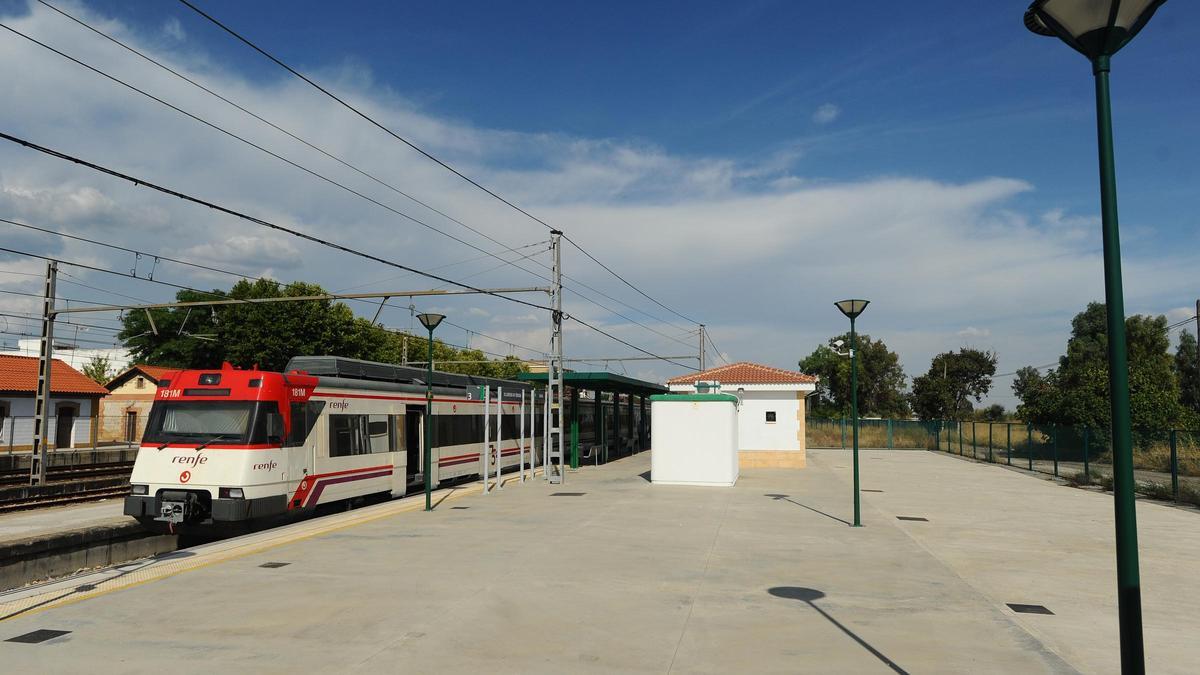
(945, 392)
(1186, 370)
(1077, 392)
(993, 413)
(98, 369)
(270, 334)
(881, 379)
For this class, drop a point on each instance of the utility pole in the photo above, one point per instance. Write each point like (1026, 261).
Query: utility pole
(37, 458)
(554, 375)
(702, 348)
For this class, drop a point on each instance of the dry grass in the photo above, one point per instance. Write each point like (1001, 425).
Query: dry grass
(829, 435)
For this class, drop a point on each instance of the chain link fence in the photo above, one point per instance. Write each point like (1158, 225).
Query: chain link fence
(1166, 461)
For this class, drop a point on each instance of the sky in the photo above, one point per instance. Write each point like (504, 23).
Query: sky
(743, 164)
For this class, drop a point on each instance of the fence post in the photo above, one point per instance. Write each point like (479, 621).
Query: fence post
(1029, 431)
(889, 422)
(960, 450)
(989, 442)
(1008, 443)
(937, 436)
(974, 446)
(1086, 451)
(1174, 468)
(1054, 445)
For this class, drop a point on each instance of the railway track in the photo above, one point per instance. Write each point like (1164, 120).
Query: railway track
(68, 473)
(41, 501)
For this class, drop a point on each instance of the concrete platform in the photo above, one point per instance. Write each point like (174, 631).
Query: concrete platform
(630, 577)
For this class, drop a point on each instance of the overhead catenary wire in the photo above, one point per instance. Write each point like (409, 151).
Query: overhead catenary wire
(253, 219)
(1178, 324)
(250, 143)
(297, 233)
(238, 36)
(273, 125)
(369, 175)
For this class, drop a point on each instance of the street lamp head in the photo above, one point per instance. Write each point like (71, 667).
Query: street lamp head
(852, 308)
(430, 321)
(1093, 28)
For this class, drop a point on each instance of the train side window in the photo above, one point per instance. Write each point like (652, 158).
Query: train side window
(770, 417)
(304, 418)
(348, 435)
(379, 428)
(396, 424)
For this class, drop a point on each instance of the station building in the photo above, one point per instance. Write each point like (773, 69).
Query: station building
(74, 403)
(770, 409)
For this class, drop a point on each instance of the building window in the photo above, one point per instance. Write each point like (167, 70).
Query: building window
(141, 382)
(770, 417)
(3, 415)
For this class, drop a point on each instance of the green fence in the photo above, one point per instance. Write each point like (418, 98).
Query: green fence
(1166, 462)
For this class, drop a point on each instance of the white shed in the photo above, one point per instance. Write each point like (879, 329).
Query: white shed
(770, 410)
(694, 439)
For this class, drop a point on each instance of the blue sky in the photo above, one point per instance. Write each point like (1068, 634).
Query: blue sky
(828, 132)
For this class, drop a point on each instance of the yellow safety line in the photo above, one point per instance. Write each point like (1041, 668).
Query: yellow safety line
(28, 606)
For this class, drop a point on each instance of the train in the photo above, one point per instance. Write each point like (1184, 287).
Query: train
(227, 448)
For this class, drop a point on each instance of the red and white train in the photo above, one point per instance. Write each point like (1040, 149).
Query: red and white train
(225, 447)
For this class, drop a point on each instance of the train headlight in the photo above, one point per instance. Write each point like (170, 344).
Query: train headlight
(231, 493)
(139, 489)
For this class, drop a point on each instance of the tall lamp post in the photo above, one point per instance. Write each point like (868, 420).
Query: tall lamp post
(852, 308)
(430, 321)
(1097, 29)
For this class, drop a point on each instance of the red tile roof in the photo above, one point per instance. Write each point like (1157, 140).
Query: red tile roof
(746, 373)
(154, 373)
(20, 374)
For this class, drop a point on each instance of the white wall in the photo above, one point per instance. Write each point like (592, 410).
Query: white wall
(18, 426)
(118, 357)
(694, 443)
(755, 433)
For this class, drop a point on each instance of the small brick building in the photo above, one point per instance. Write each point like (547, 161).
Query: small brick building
(130, 394)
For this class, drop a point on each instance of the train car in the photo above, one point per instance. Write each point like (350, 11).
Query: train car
(227, 447)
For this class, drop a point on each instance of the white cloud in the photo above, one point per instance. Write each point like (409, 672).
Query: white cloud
(752, 246)
(973, 332)
(826, 113)
(174, 30)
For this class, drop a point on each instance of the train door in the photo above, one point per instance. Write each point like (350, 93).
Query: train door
(414, 443)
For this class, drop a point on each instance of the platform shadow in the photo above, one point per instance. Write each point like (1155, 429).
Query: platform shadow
(645, 475)
(809, 596)
(786, 498)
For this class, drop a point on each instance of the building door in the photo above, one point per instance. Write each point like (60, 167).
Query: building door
(131, 436)
(64, 427)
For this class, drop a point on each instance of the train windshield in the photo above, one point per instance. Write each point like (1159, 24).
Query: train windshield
(213, 421)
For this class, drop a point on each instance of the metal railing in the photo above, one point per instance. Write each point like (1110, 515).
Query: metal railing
(1166, 461)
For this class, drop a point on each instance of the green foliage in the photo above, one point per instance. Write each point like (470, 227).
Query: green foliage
(1077, 393)
(269, 334)
(945, 392)
(1186, 370)
(993, 413)
(98, 370)
(880, 379)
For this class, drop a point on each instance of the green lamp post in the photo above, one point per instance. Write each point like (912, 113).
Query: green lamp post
(430, 321)
(1097, 29)
(852, 308)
